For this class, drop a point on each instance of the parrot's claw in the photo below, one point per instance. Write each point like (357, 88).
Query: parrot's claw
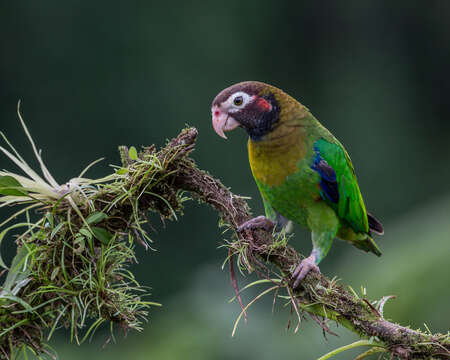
(259, 222)
(306, 265)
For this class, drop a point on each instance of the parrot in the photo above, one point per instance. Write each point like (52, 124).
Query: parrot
(303, 173)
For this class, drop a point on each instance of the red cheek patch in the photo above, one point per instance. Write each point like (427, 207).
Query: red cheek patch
(264, 104)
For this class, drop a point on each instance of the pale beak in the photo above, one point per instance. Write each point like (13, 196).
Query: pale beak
(222, 121)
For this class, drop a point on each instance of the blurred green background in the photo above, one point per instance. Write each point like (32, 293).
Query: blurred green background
(94, 75)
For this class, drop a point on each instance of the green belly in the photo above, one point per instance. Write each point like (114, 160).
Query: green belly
(295, 196)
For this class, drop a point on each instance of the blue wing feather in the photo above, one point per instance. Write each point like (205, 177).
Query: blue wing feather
(328, 181)
(338, 184)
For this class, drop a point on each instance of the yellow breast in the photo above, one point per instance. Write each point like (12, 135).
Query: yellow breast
(272, 161)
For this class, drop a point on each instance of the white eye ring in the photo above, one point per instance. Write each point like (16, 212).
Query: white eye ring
(239, 100)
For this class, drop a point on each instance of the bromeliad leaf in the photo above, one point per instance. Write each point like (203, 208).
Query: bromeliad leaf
(10, 186)
(132, 153)
(102, 234)
(121, 171)
(56, 229)
(86, 233)
(54, 273)
(16, 274)
(18, 300)
(96, 217)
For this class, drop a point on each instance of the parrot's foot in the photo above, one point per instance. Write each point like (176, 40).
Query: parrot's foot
(259, 222)
(305, 266)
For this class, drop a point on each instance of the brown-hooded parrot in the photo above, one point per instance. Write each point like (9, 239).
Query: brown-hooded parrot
(302, 171)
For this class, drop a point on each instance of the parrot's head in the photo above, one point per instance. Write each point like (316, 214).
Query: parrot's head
(251, 105)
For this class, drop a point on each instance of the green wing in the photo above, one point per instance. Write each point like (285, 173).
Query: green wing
(339, 187)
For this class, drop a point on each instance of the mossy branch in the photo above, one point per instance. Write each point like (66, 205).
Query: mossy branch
(318, 295)
(71, 263)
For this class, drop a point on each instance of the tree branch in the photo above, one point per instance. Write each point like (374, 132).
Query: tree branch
(318, 295)
(76, 253)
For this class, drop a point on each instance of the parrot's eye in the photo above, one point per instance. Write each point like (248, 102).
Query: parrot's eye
(238, 101)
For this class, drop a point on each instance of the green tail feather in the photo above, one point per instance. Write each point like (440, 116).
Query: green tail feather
(368, 245)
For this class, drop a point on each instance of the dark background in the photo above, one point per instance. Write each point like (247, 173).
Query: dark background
(94, 75)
